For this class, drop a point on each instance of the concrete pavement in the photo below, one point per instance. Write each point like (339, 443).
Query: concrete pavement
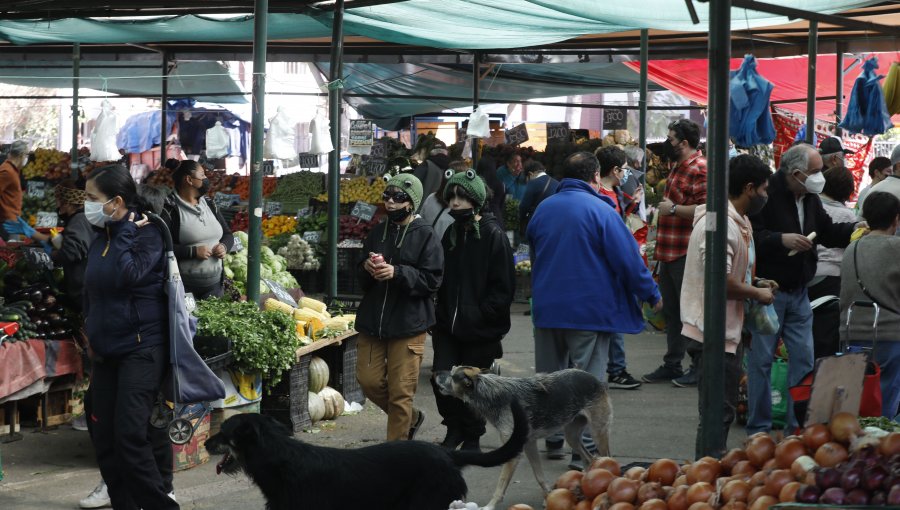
(54, 470)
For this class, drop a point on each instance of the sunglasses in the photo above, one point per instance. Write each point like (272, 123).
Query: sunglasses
(397, 196)
(460, 194)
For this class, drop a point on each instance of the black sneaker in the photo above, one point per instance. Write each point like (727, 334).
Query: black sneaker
(688, 380)
(623, 381)
(471, 445)
(420, 417)
(555, 450)
(661, 374)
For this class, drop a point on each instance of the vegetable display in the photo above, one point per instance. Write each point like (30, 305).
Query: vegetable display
(273, 267)
(298, 254)
(358, 189)
(299, 186)
(279, 224)
(262, 341)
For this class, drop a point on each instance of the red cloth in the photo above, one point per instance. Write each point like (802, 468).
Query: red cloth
(686, 185)
(24, 363)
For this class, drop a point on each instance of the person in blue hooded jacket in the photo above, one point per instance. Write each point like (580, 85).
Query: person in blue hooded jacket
(125, 309)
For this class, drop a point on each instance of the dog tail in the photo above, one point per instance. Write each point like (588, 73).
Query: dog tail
(510, 450)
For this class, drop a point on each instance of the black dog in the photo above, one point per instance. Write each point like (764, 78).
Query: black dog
(400, 475)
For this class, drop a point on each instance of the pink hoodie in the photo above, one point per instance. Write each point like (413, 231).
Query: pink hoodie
(740, 234)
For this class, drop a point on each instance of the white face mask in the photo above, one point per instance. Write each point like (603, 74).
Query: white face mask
(93, 212)
(814, 183)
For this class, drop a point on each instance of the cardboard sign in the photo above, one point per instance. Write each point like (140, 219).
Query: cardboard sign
(280, 292)
(308, 160)
(46, 219)
(273, 208)
(363, 211)
(558, 132)
(268, 167)
(615, 118)
(37, 189)
(517, 135)
(379, 149)
(313, 236)
(238, 245)
(226, 199)
(361, 136)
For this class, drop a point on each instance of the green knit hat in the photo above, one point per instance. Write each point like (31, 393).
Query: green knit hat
(473, 185)
(410, 185)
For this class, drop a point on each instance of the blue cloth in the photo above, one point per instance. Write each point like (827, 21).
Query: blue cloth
(616, 354)
(795, 316)
(125, 306)
(588, 273)
(750, 121)
(514, 186)
(142, 131)
(866, 111)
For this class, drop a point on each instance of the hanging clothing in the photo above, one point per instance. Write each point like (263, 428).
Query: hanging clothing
(750, 120)
(866, 111)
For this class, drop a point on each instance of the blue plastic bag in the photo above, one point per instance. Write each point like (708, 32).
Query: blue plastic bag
(866, 111)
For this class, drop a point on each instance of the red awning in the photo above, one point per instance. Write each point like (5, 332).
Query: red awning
(690, 78)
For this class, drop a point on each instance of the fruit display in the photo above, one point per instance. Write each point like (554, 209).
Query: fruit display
(240, 222)
(523, 267)
(279, 224)
(49, 164)
(242, 187)
(351, 228)
(272, 267)
(161, 177)
(836, 464)
(358, 189)
(31, 205)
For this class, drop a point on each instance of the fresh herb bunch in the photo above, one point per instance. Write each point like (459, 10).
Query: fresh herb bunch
(262, 341)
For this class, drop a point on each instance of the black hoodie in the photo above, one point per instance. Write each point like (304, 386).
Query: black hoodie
(479, 281)
(402, 306)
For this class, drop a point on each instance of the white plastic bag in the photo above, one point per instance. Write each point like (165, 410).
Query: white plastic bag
(479, 126)
(321, 135)
(103, 137)
(280, 140)
(217, 142)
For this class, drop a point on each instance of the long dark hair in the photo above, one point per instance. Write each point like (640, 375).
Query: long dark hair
(115, 181)
(185, 168)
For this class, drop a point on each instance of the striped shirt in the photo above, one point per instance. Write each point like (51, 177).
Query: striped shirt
(686, 185)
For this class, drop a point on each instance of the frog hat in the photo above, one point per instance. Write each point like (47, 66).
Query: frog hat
(473, 187)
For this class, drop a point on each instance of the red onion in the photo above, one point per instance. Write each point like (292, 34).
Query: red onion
(808, 494)
(873, 478)
(827, 478)
(851, 478)
(833, 496)
(857, 497)
(893, 497)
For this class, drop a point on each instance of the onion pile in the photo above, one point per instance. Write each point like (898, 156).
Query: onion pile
(835, 464)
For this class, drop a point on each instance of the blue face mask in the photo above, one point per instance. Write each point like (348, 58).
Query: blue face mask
(626, 174)
(732, 152)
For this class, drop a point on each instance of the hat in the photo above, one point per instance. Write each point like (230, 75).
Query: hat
(473, 184)
(409, 184)
(19, 147)
(439, 147)
(895, 155)
(71, 196)
(831, 145)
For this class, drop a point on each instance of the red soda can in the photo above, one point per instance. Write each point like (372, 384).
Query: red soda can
(377, 259)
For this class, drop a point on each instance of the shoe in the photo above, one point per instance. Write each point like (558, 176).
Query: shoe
(661, 374)
(80, 423)
(575, 463)
(98, 498)
(623, 381)
(453, 439)
(555, 450)
(471, 445)
(420, 417)
(688, 380)
(172, 495)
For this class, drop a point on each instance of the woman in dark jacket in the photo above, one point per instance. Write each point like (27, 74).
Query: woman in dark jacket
(487, 169)
(399, 276)
(126, 314)
(201, 235)
(473, 301)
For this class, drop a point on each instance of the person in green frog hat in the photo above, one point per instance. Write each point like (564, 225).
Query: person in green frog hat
(399, 274)
(473, 301)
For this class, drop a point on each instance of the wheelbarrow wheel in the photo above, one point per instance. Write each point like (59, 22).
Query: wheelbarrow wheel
(180, 431)
(160, 416)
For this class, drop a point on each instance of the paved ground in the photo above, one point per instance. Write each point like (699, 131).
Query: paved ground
(54, 470)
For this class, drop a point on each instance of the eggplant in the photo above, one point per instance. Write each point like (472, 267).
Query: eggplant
(49, 300)
(35, 296)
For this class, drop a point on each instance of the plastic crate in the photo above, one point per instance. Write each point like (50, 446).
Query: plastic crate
(311, 282)
(347, 280)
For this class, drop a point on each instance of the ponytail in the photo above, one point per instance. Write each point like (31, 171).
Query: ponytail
(116, 181)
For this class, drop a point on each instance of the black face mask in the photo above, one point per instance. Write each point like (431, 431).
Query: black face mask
(398, 215)
(462, 215)
(204, 187)
(757, 203)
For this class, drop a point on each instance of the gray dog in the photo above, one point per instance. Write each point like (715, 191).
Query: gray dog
(568, 400)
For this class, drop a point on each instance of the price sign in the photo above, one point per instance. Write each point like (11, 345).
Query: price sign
(517, 135)
(303, 213)
(379, 149)
(268, 167)
(376, 166)
(46, 219)
(363, 211)
(558, 132)
(313, 236)
(226, 199)
(361, 136)
(308, 160)
(37, 257)
(238, 245)
(273, 208)
(280, 292)
(189, 302)
(37, 189)
(615, 118)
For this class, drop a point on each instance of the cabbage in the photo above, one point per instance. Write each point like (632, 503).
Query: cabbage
(229, 273)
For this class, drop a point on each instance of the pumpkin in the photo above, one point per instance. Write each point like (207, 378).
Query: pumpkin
(318, 374)
(316, 407)
(334, 402)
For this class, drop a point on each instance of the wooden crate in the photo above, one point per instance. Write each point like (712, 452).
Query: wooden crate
(6, 421)
(59, 408)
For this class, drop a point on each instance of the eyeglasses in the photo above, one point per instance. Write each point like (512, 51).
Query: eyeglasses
(397, 196)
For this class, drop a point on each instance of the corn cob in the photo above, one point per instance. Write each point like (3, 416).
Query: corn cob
(302, 314)
(274, 304)
(314, 304)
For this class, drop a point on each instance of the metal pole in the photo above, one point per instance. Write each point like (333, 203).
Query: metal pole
(164, 99)
(712, 390)
(476, 84)
(839, 87)
(811, 82)
(76, 73)
(642, 99)
(260, 37)
(335, 74)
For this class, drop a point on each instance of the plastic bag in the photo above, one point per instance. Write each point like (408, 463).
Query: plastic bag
(779, 382)
(217, 141)
(479, 125)
(866, 111)
(280, 139)
(103, 137)
(763, 318)
(321, 135)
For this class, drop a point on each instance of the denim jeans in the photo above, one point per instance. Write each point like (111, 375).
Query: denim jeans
(887, 354)
(795, 318)
(616, 354)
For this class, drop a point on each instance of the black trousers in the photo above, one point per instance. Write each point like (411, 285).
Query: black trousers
(449, 351)
(206, 291)
(733, 372)
(123, 392)
(826, 318)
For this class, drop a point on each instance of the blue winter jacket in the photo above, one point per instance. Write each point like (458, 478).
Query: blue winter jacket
(125, 306)
(588, 273)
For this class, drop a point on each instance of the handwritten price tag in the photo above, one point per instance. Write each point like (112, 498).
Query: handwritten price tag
(46, 219)
(280, 292)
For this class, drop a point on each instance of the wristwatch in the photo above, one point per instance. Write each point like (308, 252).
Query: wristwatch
(672, 210)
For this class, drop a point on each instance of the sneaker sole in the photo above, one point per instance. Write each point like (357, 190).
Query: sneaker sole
(683, 385)
(617, 386)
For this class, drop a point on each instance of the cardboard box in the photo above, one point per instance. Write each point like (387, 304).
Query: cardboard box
(220, 415)
(192, 454)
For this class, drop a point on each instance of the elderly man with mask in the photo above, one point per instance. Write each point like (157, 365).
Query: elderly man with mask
(786, 254)
(833, 152)
(11, 183)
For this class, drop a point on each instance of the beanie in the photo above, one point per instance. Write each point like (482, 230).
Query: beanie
(895, 155)
(471, 183)
(409, 184)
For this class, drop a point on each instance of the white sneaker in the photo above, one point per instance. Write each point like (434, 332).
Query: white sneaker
(98, 498)
(172, 495)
